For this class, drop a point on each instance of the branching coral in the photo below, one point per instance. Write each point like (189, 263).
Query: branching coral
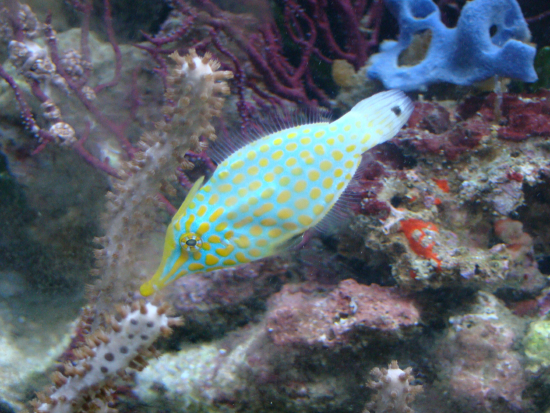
(283, 56)
(86, 383)
(48, 70)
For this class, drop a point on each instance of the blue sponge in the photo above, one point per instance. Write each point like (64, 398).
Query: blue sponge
(461, 55)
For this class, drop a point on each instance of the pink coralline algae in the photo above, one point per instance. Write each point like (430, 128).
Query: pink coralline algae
(431, 130)
(301, 316)
(478, 360)
(436, 129)
(521, 116)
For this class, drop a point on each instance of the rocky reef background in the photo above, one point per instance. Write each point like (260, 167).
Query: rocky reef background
(442, 264)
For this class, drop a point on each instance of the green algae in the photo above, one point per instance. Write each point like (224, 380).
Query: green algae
(537, 345)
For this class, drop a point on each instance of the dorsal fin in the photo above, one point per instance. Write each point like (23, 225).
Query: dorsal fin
(192, 192)
(268, 123)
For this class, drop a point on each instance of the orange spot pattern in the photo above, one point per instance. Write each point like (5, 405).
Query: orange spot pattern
(414, 231)
(443, 184)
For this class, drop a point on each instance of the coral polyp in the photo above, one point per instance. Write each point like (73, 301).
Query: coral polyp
(393, 390)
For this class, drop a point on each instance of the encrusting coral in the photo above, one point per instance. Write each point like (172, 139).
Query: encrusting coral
(394, 390)
(86, 383)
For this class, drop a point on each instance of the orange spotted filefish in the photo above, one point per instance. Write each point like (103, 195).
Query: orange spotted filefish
(273, 189)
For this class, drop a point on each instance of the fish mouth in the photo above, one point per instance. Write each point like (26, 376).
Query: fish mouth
(148, 289)
(157, 283)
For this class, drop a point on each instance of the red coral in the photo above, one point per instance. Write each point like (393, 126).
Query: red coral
(431, 127)
(514, 176)
(375, 207)
(415, 234)
(443, 184)
(366, 187)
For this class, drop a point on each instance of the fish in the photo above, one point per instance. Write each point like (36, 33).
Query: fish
(273, 189)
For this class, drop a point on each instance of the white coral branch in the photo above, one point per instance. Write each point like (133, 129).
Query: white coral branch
(106, 355)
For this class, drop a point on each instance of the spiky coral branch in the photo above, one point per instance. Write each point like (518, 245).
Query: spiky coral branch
(124, 342)
(194, 86)
(394, 390)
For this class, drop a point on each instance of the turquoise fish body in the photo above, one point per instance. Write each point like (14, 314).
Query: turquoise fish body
(273, 189)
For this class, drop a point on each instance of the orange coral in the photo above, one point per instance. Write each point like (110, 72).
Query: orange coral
(418, 239)
(443, 184)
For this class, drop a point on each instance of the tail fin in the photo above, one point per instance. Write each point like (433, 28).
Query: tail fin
(380, 116)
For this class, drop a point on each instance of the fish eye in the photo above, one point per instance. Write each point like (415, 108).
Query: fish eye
(190, 241)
